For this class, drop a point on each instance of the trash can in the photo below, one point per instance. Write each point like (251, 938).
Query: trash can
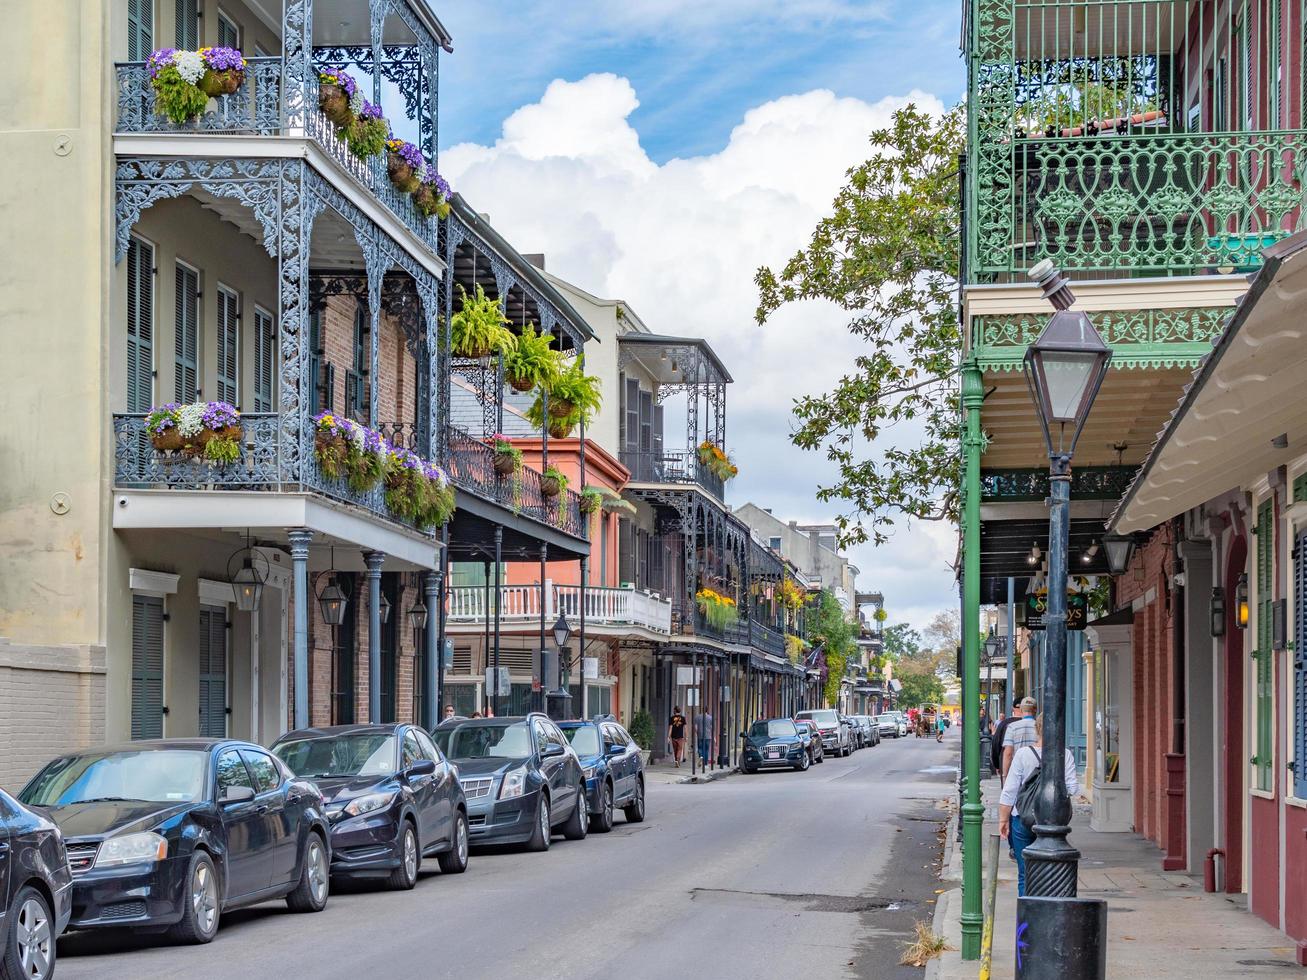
(1061, 939)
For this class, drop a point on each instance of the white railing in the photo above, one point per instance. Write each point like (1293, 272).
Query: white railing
(603, 606)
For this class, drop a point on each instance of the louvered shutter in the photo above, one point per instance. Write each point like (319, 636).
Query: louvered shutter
(228, 329)
(147, 667)
(1300, 668)
(1249, 119)
(229, 35)
(140, 29)
(1265, 578)
(213, 672)
(140, 326)
(318, 400)
(188, 24)
(265, 342)
(187, 387)
(631, 421)
(1276, 72)
(658, 432)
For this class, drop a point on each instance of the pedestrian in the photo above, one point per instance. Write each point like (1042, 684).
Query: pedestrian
(1025, 764)
(996, 743)
(703, 732)
(941, 723)
(1020, 733)
(476, 714)
(449, 711)
(676, 735)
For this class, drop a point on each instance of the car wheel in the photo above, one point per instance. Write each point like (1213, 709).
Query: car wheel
(310, 894)
(803, 763)
(202, 906)
(406, 875)
(821, 757)
(578, 823)
(544, 830)
(635, 809)
(602, 822)
(30, 950)
(454, 860)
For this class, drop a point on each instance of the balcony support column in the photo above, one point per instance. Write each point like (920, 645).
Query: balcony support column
(973, 394)
(432, 582)
(299, 557)
(538, 687)
(485, 642)
(374, 560)
(440, 610)
(499, 560)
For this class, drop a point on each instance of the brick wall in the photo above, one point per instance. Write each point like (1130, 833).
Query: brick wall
(397, 386)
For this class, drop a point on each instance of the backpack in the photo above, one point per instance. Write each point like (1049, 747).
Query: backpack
(1028, 795)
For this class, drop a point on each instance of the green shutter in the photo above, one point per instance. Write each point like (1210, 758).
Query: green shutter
(229, 35)
(228, 330)
(213, 672)
(187, 386)
(140, 326)
(147, 667)
(265, 345)
(140, 29)
(1264, 655)
(188, 24)
(1299, 737)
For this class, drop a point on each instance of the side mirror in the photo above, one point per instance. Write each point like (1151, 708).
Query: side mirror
(422, 767)
(743, 735)
(237, 794)
(616, 749)
(553, 750)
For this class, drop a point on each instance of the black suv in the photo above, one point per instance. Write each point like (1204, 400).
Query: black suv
(520, 776)
(33, 870)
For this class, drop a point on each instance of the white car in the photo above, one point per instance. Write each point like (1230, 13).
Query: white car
(903, 723)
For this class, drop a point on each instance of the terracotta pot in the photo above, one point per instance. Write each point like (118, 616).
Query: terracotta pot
(520, 384)
(560, 408)
(401, 173)
(215, 83)
(169, 440)
(550, 487)
(334, 103)
(559, 429)
(504, 464)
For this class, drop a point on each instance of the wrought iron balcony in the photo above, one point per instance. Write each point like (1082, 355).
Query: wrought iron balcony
(677, 466)
(258, 108)
(1087, 483)
(472, 468)
(519, 606)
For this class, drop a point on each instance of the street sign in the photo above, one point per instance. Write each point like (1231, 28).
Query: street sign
(448, 654)
(590, 668)
(503, 687)
(1077, 606)
(692, 697)
(687, 676)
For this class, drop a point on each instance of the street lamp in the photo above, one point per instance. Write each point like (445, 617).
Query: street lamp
(1064, 368)
(383, 608)
(1119, 548)
(1241, 601)
(557, 700)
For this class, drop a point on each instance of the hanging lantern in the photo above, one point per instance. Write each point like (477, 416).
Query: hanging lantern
(332, 602)
(247, 583)
(383, 608)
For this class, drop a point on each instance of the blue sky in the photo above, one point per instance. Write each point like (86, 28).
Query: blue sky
(696, 66)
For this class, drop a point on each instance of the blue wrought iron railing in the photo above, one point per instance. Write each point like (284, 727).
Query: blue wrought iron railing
(675, 466)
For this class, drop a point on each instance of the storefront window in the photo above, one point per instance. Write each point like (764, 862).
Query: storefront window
(463, 697)
(1107, 716)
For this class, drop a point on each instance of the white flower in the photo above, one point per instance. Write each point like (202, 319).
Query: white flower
(356, 101)
(358, 436)
(190, 419)
(189, 64)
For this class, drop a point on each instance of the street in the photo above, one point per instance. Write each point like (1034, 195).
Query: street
(780, 874)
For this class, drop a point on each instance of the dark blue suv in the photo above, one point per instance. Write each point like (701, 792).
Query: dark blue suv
(613, 767)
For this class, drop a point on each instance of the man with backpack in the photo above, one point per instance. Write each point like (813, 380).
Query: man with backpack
(1020, 796)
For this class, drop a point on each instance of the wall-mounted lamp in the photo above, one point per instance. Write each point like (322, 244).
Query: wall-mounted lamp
(1120, 549)
(1241, 602)
(1218, 611)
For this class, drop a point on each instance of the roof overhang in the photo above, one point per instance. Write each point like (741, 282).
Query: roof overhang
(657, 354)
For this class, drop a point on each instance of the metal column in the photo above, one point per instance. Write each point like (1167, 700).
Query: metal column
(431, 582)
(973, 394)
(499, 565)
(299, 556)
(1009, 686)
(374, 561)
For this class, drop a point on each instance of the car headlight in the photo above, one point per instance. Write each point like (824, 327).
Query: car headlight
(131, 849)
(366, 804)
(588, 772)
(514, 784)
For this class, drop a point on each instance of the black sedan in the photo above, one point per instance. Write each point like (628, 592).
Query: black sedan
(391, 796)
(169, 834)
(521, 779)
(774, 744)
(36, 895)
(809, 729)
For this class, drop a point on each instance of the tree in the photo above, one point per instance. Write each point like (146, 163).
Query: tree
(924, 660)
(901, 640)
(920, 688)
(829, 625)
(888, 254)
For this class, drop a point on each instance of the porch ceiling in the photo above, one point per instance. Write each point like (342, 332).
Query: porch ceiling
(332, 245)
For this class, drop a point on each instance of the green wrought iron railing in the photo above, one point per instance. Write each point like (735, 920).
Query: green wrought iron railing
(1087, 483)
(1134, 137)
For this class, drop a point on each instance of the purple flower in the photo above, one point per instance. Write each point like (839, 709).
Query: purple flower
(223, 59)
(406, 151)
(439, 185)
(370, 111)
(333, 76)
(219, 415)
(160, 60)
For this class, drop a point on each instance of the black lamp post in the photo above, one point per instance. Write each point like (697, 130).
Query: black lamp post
(557, 700)
(1064, 368)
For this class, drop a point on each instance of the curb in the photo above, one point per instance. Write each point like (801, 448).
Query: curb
(708, 777)
(937, 926)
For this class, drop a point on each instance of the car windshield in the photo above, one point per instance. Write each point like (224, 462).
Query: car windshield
(357, 754)
(158, 776)
(584, 738)
(828, 717)
(512, 741)
(775, 728)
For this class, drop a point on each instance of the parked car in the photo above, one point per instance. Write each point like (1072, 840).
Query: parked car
(169, 834)
(36, 893)
(773, 744)
(809, 728)
(888, 725)
(521, 779)
(390, 795)
(613, 770)
(856, 737)
(834, 729)
(903, 723)
(870, 730)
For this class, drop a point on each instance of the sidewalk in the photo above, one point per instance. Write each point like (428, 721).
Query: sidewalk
(1160, 924)
(665, 772)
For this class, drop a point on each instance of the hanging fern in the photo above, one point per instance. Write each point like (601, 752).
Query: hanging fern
(478, 329)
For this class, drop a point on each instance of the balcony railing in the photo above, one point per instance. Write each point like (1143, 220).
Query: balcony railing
(676, 466)
(472, 467)
(520, 605)
(1087, 483)
(257, 108)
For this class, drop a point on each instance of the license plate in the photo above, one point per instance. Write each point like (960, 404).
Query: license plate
(773, 754)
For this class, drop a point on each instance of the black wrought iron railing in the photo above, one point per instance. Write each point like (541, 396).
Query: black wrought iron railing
(672, 466)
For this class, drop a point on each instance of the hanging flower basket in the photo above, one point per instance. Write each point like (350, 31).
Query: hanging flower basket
(591, 501)
(335, 91)
(184, 81)
(550, 487)
(430, 200)
(504, 464)
(208, 430)
(561, 408)
(404, 165)
(218, 83)
(560, 428)
(520, 384)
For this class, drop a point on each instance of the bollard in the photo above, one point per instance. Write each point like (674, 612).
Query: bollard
(1061, 939)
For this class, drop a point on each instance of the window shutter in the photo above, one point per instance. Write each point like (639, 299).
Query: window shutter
(631, 421)
(265, 343)
(658, 432)
(228, 329)
(1300, 668)
(140, 326)
(1264, 685)
(317, 401)
(187, 387)
(147, 667)
(188, 24)
(213, 672)
(229, 35)
(1276, 71)
(140, 29)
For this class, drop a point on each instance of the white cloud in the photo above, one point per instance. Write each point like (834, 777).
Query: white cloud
(681, 242)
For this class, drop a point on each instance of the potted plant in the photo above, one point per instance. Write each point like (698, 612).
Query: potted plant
(553, 482)
(478, 328)
(573, 391)
(431, 197)
(336, 91)
(642, 731)
(368, 131)
(404, 164)
(508, 458)
(349, 451)
(224, 71)
(417, 491)
(211, 430)
(436, 500)
(592, 498)
(558, 427)
(719, 611)
(175, 76)
(531, 361)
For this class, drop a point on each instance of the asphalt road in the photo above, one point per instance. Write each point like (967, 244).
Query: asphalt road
(780, 874)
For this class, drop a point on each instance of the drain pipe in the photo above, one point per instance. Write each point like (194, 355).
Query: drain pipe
(1209, 869)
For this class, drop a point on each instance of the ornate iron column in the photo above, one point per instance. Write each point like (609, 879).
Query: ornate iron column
(374, 560)
(498, 597)
(431, 584)
(299, 557)
(973, 393)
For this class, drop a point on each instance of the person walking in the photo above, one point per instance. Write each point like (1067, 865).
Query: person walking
(941, 723)
(703, 731)
(996, 741)
(676, 735)
(1020, 733)
(1026, 763)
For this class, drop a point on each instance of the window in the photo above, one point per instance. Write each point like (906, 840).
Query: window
(265, 360)
(229, 318)
(229, 35)
(774, 543)
(321, 392)
(266, 774)
(1220, 98)
(410, 750)
(213, 672)
(344, 653)
(1264, 656)
(542, 738)
(232, 772)
(187, 36)
(357, 402)
(187, 340)
(1299, 735)
(429, 750)
(140, 325)
(140, 29)
(147, 667)
(1275, 69)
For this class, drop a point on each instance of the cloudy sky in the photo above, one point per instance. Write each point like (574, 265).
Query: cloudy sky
(659, 151)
